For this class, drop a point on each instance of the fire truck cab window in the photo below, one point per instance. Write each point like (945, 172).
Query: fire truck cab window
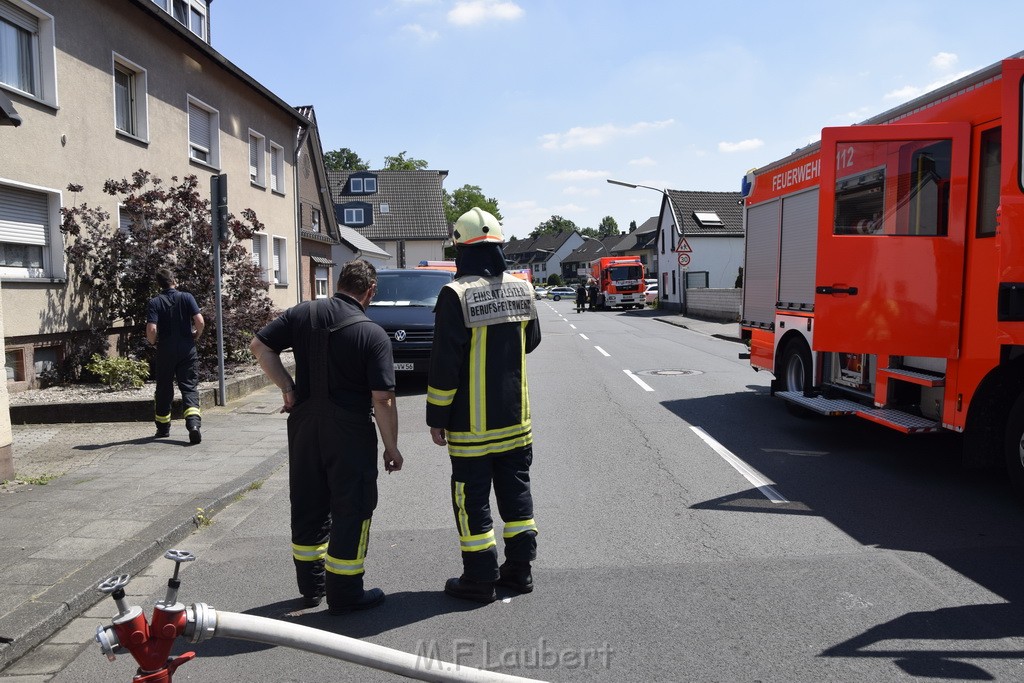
(893, 188)
(988, 181)
(619, 273)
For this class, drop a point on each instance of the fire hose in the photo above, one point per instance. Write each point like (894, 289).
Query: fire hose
(150, 642)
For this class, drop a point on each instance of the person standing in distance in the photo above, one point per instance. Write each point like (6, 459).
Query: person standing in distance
(344, 381)
(478, 405)
(173, 324)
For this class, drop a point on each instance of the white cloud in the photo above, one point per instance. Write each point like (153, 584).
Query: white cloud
(420, 33)
(581, 191)
(909, 92)
(741, 146)
(944, 60)
(580, 136)
(643, 161)
(472, 12)
(579, 174)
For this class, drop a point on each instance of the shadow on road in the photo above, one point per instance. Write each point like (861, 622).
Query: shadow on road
(892, 491)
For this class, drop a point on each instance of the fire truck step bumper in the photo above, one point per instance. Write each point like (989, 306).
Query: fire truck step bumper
(888, 417)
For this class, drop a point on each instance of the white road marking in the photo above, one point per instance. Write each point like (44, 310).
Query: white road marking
(639, 381)
(584, 336)
(603, 352)
(572, 326)
(766, 487)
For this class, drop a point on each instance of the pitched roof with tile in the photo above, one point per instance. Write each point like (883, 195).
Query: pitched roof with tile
(593, 248)
(725, 204)
(414, 202)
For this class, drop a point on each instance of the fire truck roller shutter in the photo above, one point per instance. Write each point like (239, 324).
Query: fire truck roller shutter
(762, 267)
(799, 249)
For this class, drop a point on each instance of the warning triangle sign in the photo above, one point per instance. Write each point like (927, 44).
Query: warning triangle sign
(684, 246)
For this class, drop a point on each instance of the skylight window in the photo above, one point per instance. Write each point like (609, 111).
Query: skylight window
(708, 219)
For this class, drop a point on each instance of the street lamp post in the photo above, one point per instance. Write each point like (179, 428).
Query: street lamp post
(679, 230)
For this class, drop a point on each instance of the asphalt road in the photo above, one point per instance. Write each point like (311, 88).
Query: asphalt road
(690, 530)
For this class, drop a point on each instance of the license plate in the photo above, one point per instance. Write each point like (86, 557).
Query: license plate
(403, 366)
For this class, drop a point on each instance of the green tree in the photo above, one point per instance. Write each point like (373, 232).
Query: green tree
(344, 159)
(400, 163)
(553, 226)
(607, 227)
(465, 198)
(632, 226)
(169, 226)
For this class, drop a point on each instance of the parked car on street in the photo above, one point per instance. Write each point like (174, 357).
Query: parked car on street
(651, 293)
(540, 292)
(558, 293)
(404, 307)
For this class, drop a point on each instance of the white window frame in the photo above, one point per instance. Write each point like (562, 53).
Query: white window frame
(191, 8)
(276, 167)
(356, 185)
(321, 282)
(257, 175)
(261, 255)
(354, 216)
(44, 51)
(314, 218)
(140, 97)
(279, 261)
(369, 185)
(53, 265)
(214, 125)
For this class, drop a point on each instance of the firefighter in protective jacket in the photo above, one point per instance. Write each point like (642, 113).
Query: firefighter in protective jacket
(478, 404)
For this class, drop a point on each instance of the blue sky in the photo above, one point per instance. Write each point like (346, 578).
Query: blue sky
(540, 101)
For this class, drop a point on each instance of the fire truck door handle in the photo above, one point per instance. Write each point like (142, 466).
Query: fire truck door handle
(836, 290)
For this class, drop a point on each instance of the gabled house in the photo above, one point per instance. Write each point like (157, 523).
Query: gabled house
(642, 242)
(544, 254)
(323, 244)
(576, 266)
(400, 212)
(104, 88)
(699, 242)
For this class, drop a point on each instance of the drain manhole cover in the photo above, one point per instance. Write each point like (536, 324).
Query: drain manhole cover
(668, 373)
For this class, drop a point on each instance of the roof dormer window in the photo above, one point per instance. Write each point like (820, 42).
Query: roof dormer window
(708, 219)
(362, 184)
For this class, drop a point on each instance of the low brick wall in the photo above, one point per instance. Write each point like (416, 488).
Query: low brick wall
(714, 304)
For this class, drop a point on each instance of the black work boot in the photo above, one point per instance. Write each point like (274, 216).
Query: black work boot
(194, 435)
(163, 430)
(467, 589)
(516, 575)
(368, 599)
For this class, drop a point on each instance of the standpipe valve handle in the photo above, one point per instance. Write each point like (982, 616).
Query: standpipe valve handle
(173, 583)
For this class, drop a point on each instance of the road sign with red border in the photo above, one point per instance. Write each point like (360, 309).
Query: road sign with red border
(684, 259)
(683, 247)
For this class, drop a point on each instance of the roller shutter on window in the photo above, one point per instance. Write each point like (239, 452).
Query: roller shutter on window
(762, 263)
(24, 216)
(199, 127)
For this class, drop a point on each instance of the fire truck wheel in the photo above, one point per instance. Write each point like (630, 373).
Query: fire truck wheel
(796, 373)
(1014, 448)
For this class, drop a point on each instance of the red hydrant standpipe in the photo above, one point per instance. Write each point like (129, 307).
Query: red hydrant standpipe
(150, 645)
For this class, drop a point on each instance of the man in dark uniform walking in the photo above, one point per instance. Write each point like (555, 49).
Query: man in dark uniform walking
(344, 381)
(173, 324)
(478, 405)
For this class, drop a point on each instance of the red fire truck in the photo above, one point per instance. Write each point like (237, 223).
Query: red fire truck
(884, 273)
(620, 281)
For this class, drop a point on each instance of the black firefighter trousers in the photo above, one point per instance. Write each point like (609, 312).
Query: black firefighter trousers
(179, 364)
(471, 502)
(332, 458)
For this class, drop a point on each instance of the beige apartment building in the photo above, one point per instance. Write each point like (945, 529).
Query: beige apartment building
(104, 88)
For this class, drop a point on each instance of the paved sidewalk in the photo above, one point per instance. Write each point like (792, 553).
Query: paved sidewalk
(121, 500)
(727, 331)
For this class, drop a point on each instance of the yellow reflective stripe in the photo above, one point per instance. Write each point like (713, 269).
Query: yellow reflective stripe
(189, 412)
(163, 419)
(343, 567)
(364, 539)
(513, 528)
(478, 380)
(477, 542)
(461, 517)
(490, 448)
(489, 435)
(440, 397)
(309, 553)
(525, 399)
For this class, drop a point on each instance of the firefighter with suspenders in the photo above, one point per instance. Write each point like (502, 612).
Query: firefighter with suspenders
(478, 405)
